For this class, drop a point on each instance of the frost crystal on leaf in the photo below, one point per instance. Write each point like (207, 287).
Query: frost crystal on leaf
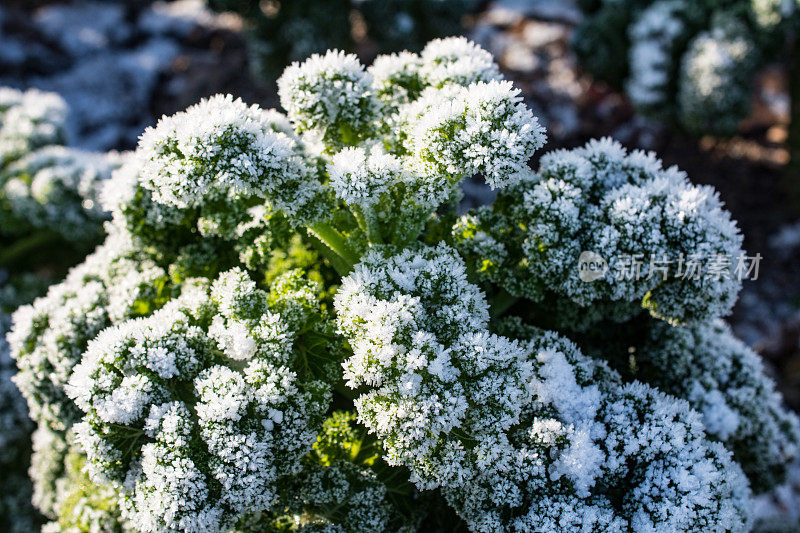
(222, 145)
(644, 220)
(521, 435)
(195, 429)
(458, 61)
(715, 79)
(30, 120)
(483, 128)
(49, 336)
(654, 37)
(331, 95)
(58, 189)
(724, 380)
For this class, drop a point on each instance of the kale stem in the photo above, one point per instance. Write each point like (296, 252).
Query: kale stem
(336, 242)
(359, 216)
(339, 265)
(369, 223)
(409, 231)
(373, 230)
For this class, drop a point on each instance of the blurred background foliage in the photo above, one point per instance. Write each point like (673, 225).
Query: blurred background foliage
(281, 32)
(690, 63)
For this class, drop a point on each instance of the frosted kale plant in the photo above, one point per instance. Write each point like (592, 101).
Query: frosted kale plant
(30, 120)
(16, 511)
(49, 219)
(289, 328)
(690, 63)
(57, 189)
(661, 235)
(49, 193)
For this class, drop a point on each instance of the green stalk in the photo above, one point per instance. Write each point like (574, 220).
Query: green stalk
(406, 230)
(408, 233)
(339, 265)
(368, 222)
(373, 230)
(359, 216)
(336, 242)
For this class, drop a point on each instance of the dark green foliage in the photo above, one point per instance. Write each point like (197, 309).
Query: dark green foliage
(696, 95)
(290, 30)
(601, 42)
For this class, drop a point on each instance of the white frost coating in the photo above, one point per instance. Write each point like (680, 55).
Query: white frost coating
(213, 427)
(719, 418)
(59, 189)
(779, 510)
(714, 87)
(461, 131)
(643, 220)
(201, 409)
(711, 59)
(359, 176)
(458, 61)
(385, 143)
(330, 94)
(29, 120)
(396, 78)
(520, 436)
(49, 336)
(653, 38)
(366, 177)
(219, 146)
(119, 193)
(399, 79)
(725, 381)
